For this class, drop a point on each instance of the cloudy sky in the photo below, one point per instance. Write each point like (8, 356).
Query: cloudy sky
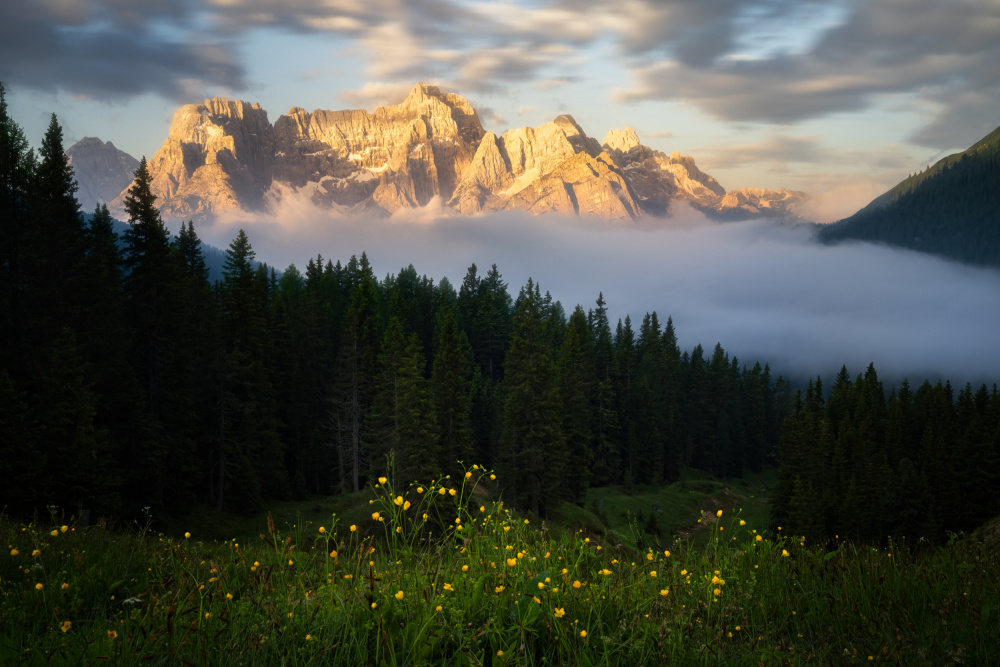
(840, 98)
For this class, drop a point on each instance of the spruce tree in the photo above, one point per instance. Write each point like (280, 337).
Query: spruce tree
(533, 454)
(451, 391)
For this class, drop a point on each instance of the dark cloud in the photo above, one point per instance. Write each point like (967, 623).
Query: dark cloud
(112, 50)
(965, 121)
(939, 50)
(764, 291)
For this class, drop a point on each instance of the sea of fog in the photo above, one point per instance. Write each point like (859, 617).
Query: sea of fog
(765, 291)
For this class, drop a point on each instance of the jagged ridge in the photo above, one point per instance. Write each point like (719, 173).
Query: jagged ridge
(224, 155)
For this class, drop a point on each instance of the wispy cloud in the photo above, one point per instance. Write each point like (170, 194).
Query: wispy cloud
(740, 60)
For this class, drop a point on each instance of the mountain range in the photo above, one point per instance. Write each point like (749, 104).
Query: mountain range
(224, 156)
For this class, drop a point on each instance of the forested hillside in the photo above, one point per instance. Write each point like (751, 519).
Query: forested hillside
(950, 209)
(129, 380)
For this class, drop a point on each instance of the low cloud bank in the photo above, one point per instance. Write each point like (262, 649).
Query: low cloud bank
(766, 292)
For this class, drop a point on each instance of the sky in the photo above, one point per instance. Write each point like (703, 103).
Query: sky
(838, 98)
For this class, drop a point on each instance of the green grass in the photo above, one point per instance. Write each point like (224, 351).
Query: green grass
(411, 586)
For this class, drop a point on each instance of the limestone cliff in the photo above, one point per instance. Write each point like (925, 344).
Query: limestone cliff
(659, 180)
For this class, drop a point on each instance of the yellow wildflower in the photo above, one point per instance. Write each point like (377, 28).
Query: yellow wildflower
(442, 491)
(605, 572)
(333, 554)
(499, 589)
(406, 505)
(36, 553)
(322, 530)
(719, 513)
(649, 556)
(493, 476)
(54, 533)
(717, 591)
(758, 538)
(511, 562)
(577, 584)
(465, 568)
(448, 587)
(64, 529)
(653, 574)
(398, 500)
(742, 522)
(374, 604)
(353, 528)
(583, 633)
(784, 553)
(665, 591)
(14, 552)
(375, 516)
(452, 492)
(381, 480)
(65, 586)
(420, 489)
(66, 626)
(112, 634)
(468, 475)
(560, 612)
(229, 596)
(399, 595)
(541, 585)
(187, 535)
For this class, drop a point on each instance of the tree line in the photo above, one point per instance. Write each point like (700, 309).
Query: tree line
(862, 466)
(129, 379)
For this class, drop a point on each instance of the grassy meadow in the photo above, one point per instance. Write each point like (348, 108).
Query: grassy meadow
(443, 573)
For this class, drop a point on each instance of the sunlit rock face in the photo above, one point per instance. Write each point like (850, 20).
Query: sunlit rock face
(401, 156)
(101, 171)
(224, 155)
(218, 156)
(554, 168)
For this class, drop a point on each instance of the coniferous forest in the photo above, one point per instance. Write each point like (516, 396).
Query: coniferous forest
(128, 380)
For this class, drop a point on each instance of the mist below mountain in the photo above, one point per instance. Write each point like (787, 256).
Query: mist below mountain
(766, 291)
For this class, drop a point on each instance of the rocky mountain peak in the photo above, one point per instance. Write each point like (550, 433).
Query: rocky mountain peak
(622, 140)
(101, 170)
